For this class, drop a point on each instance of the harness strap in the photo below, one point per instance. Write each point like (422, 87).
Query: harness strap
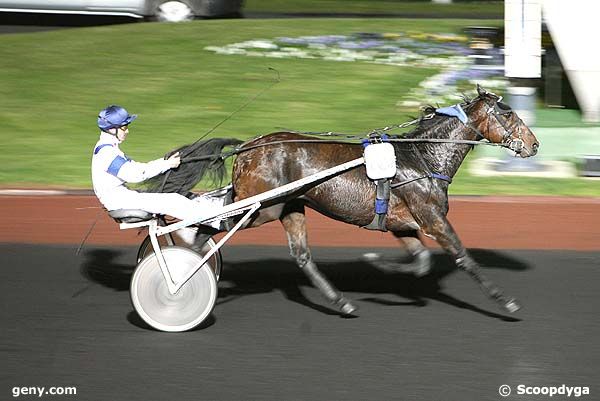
(442, 177)
(438, 176)
(382, 199)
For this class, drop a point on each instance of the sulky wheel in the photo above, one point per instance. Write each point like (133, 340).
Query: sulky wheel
(215, 261)
(183, 310)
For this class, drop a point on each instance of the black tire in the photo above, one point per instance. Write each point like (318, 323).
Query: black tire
(172, 11)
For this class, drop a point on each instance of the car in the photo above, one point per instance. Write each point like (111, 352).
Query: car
(159, 10)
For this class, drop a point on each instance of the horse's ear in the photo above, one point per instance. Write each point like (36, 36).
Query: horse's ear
(480, 91)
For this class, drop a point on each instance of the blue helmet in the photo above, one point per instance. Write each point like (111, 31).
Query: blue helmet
(114, 117)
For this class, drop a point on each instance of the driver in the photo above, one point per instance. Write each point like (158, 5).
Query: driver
(111, 169)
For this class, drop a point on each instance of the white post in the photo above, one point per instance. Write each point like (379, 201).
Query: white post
(523, 54)
(522, 65)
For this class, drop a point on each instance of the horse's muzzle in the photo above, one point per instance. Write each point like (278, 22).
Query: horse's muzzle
(516, 145)
(528, 151)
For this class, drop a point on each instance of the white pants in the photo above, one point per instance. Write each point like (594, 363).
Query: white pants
(171, 204)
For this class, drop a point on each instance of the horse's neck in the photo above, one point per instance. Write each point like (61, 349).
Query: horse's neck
(446, 158)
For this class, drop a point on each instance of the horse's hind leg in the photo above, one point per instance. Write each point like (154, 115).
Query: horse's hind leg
(294, 222)
(442, 231)
(420, 264)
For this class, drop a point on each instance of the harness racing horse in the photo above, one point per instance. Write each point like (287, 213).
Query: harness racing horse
(418, 200)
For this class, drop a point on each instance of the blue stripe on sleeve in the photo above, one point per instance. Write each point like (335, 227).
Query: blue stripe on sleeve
(116, 165)
(100, 147)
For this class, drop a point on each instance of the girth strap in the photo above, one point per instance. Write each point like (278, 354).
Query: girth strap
(382, 198)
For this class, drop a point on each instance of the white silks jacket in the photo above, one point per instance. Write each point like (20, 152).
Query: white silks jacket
(111, 169)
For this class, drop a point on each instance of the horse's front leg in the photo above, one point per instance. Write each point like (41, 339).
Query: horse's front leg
(437, 226)
(294, 223)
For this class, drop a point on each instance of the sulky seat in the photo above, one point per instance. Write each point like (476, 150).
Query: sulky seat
(130, 215)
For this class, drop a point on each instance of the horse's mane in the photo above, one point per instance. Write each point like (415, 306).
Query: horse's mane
(432, 125)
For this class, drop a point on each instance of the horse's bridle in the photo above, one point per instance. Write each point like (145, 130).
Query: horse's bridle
(498, 109)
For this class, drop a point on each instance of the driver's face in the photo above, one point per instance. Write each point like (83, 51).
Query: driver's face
(122, 132)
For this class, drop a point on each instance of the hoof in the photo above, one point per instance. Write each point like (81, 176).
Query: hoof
(419, 267)
(423, 263)
(512, 305)
(346, 306)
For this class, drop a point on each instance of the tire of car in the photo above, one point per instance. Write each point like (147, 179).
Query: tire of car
(172, 11)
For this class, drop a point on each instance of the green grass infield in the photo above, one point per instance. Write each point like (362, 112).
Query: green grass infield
(52, 85)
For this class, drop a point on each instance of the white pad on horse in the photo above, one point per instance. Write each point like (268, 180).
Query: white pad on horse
(380, 160)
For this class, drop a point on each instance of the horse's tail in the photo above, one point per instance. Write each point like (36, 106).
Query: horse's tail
(200, 159)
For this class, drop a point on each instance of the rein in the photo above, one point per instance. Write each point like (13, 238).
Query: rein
(508, 142)
(242, 148)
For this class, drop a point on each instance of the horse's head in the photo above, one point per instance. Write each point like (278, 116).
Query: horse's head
(498, 123)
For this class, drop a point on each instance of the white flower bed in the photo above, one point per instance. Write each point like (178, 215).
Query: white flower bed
(446, 52)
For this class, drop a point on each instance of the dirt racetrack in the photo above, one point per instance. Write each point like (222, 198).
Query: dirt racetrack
(481, 222)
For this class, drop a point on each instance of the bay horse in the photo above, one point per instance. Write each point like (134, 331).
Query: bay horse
(419, 196)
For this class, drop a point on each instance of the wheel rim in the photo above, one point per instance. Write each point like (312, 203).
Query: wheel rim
(182, 311)
(215, 261)
(174, 11)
